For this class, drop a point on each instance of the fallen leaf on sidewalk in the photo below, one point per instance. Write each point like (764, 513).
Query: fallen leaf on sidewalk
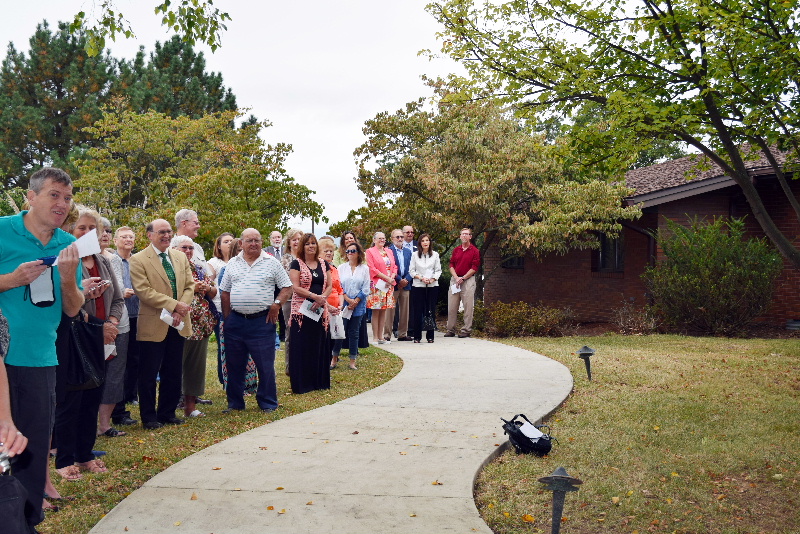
(270, 507)
(309, 503)
(436, 483)
(194, 497)
(279, 488)
(216, 468)
(283, 511)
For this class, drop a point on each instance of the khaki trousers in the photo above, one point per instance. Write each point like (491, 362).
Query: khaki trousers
(401, 300)
(467, 296)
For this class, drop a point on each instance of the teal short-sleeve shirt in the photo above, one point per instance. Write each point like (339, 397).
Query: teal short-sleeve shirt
(32, 327)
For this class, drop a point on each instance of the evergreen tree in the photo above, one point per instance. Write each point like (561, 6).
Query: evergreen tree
(174, 82)
(47, 97)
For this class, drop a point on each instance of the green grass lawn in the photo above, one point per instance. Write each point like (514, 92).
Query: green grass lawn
(674, 434)
(137, 457)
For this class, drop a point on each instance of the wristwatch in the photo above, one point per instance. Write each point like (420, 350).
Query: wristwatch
(277, 301)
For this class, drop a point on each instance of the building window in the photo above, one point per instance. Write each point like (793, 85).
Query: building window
(513, 262)
(610, 257)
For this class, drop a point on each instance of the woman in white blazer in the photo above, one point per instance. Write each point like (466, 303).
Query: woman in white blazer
(425, 269)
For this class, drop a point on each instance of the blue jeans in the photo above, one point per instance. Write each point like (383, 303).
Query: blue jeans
(352, 327)
(254, 337)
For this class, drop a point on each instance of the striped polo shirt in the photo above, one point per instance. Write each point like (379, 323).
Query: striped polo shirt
(252, 287)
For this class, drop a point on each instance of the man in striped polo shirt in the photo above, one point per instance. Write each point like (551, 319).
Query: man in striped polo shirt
(250, 311)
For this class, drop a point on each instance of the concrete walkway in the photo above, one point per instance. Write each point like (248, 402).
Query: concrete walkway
(401, 458)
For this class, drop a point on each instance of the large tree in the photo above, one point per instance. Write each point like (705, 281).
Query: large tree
(51, 93)
(463, 163)
(720, 76)
(173, 81)
(47, 97)
(145, 165)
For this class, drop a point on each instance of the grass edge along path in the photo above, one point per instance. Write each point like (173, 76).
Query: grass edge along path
(133, 459)
(674, 434)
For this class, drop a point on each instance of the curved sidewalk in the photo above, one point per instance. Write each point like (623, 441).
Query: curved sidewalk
(397, 459)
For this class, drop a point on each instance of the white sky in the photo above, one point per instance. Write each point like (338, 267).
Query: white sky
(316, 69)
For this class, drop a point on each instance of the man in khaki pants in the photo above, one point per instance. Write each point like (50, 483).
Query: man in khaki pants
(464, 264)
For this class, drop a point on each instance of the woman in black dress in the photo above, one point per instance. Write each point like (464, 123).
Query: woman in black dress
(309, 351)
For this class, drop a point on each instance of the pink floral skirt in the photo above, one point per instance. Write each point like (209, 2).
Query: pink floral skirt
(380, 300)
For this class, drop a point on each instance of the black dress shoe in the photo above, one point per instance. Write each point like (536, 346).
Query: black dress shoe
(152, 425)
(204, 401)
(173, 421)
(405, 338)
(125, 421)
(449, 334)
(462, 336)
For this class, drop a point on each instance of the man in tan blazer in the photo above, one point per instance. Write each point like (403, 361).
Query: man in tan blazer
(161, 344)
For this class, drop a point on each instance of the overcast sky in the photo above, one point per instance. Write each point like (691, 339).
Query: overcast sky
(316, 69)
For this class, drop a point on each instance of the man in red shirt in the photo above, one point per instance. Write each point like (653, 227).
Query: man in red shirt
(464, 263)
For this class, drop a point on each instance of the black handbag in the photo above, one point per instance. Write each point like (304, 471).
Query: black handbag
(428, 322)
(86, 367)
(523, 444)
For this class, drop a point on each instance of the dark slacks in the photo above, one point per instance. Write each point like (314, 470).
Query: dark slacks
(254, 337)
(130, 391)
(164, 359)
(33, 401)
(423, 301)
(76, 426)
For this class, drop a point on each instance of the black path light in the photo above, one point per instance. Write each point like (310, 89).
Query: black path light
(559, 482)
(585, 353)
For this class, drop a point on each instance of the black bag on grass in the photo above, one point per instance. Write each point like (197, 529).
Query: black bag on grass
(526, 437)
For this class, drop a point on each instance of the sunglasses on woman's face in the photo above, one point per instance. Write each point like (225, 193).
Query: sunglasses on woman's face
(350, 251)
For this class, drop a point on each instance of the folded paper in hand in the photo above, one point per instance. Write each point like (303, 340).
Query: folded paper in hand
(305, 309)
(454, 289)
(87, 245)
(166, 316)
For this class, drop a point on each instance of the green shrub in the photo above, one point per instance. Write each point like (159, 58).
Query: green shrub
(713, 280)
(518, 319)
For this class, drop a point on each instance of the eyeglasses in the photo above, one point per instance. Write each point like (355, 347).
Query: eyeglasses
(253, 240)
(164, 232)
(107, 231)
(351, 251)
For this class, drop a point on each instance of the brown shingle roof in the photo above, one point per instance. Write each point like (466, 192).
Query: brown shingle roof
(683, 170)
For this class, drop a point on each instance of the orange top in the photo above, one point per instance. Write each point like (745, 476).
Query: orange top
(336, 291)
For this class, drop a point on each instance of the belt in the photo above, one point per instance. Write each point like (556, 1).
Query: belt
(256, 315)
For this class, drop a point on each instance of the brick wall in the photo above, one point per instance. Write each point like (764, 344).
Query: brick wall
(568, 280)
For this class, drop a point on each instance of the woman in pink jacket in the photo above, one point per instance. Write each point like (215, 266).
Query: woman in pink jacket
(382, 271)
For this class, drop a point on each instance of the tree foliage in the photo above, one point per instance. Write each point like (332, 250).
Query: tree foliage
(472, 163)
(49, 95)
(147, 165)
(713, 280)
(193, 20)
(173, 81)
(720, 76)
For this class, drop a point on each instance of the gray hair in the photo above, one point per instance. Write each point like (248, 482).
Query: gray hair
(184, 215)
(105, 223)
(178, 240)
(38, 178)
(84, 211)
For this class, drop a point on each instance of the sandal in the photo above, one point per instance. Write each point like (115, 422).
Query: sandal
(334, 362)
(92, 466)
(196, 413)
(70, 472)
(47, 507)
(113, 433)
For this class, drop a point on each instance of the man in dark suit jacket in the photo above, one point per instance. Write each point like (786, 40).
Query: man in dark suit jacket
(408, 239)
(276, 249)
(402, 290)
(161, 345)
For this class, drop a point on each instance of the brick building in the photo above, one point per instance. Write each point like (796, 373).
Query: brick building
(594, 282)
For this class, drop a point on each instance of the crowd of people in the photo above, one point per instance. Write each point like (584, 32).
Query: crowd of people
(157, 308)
